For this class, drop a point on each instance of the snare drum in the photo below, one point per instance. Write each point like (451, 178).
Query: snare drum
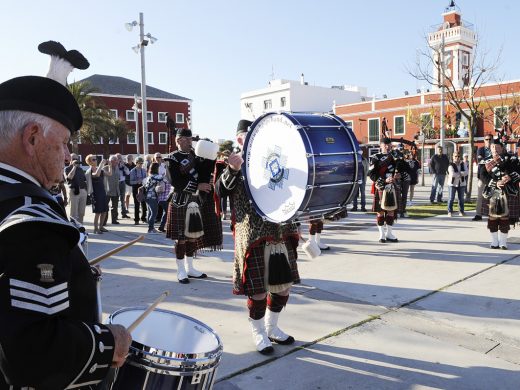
(300, 166)
(169, 351)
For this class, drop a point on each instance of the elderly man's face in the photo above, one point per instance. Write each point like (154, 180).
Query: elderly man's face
(184, 143)
(50, 154)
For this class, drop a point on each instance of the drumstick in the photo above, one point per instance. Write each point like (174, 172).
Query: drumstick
(114, 251)
(139, 319)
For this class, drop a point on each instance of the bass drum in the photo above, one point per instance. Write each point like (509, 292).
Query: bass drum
(300, 166)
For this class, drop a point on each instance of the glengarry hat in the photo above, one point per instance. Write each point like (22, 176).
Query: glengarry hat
(243, 126)
(183, 133)
(41, 95)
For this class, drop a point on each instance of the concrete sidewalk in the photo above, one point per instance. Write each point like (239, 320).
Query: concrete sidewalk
(439, 309)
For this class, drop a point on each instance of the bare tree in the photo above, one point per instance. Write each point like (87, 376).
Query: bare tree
(466, 99)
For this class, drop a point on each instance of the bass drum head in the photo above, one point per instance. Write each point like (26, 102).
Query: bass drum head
(168, 331)
(275, 168)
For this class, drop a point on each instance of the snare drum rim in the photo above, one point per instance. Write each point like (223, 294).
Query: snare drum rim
(162, 359)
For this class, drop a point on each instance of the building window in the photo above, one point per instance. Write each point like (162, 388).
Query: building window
(283, 101)
(149, 116)
(465, 59)
(113, 112)
(163, 138)
(98, 141)
(350, 124)
(399, 125)
(150, 138)
(373, 130)
(111, 142)
(427, 125)
(130, 115)
(179, 118)
(501, 115)
(161, 117)
(130, 138)
(268, 104)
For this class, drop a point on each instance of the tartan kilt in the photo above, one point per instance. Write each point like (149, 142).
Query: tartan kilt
(513, 203)
(253, 280)
(176, 221)
(212, 238)
(376, 204)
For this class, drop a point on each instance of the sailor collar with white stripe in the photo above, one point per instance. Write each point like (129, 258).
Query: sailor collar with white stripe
(19, 172)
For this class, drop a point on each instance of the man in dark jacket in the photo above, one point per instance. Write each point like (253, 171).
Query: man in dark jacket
(47, 290)
(438, 167)
(483, 153)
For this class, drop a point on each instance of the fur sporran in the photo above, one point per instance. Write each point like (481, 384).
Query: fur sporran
(498, 205)
(278, 274)
(389, 198)
(193, 227)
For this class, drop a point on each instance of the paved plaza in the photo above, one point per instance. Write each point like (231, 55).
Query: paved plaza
(438, 310)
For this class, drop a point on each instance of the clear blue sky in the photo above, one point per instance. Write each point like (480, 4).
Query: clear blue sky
(211, 51)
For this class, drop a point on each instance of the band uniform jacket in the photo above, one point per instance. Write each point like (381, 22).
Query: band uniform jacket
(384, 165)
(508, 164)
(182, 168)
(49, 336)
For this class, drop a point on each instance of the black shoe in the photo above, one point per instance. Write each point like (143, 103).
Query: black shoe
(503, 247)
(125, 216)
(288, 341)
(477, 218)
(267, 351)
(103, 230)
(184, 281)
(115, 223)
(353, 209)
(144, 219)
(162, 230)
(136, 222)
(203, 276)
(382, 240)
(392, 239)
(494, 247)
(363, 209)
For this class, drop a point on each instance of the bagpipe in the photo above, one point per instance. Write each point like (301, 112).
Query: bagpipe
(385, 131)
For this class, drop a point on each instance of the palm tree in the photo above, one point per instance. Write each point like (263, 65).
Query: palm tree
(99, 124)
(89, 106)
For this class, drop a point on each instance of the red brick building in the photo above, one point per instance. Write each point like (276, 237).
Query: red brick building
(411, 115)
(118, 95)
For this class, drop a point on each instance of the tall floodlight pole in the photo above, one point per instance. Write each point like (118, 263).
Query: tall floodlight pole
(143, 84)
(143, 42)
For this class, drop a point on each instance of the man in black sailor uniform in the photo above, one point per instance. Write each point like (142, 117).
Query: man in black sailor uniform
(50, 337)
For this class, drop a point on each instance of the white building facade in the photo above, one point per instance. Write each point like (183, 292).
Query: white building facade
(296, 96)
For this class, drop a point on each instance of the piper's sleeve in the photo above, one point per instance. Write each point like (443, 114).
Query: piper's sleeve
(226, 182)
(35, 306)
(373, 172)
(183, 175)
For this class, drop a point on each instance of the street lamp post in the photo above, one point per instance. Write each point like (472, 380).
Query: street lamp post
(137, 110)
(143, 42)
